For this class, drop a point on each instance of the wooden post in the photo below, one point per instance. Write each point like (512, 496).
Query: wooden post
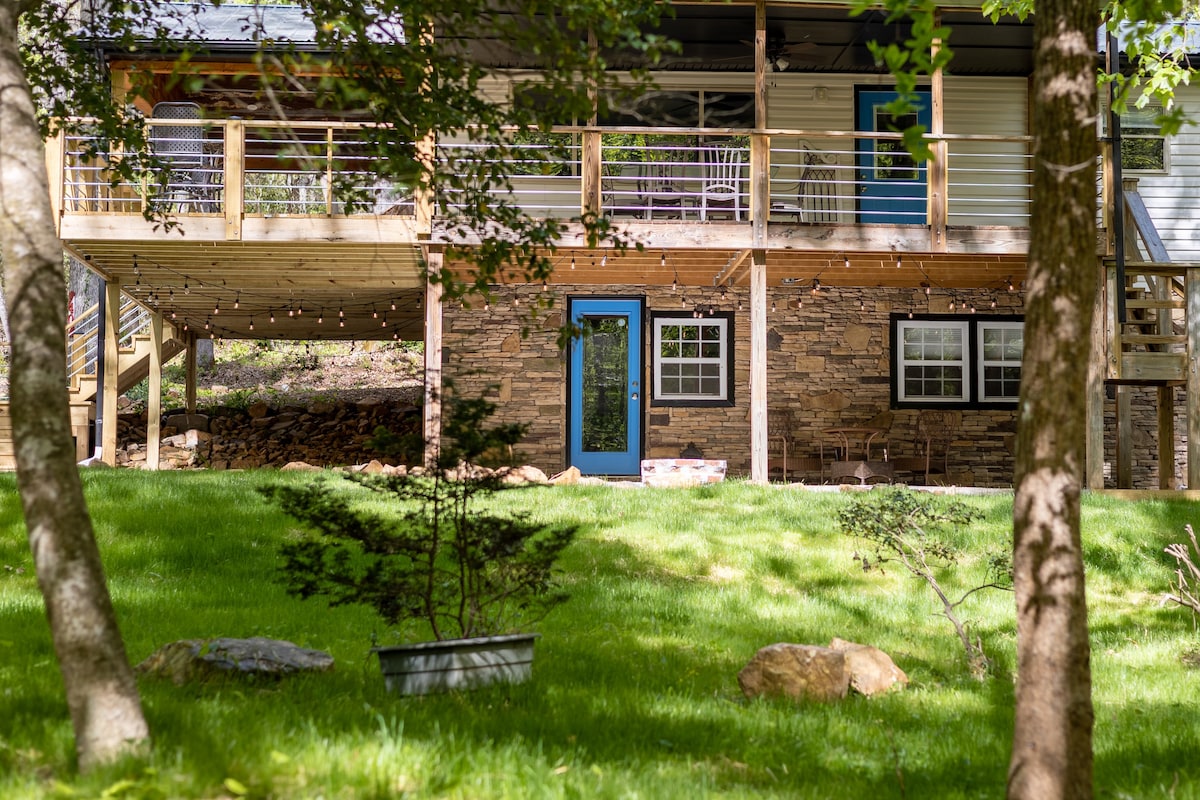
(55, 165)
(1124, 438)
(939, 182)
(592, 200)
(1094, 447)
(189, 380)
(112, 358)
(1166, 437)
(760, 209)
(433, 359)
(154, 393)
(1193, 378)
(758, 366)
(235, 178)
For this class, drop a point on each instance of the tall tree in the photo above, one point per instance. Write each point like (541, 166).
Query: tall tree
(1052, 738)
(101, 693)
(418, 66)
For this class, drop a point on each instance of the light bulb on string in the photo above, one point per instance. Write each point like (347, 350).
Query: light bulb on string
(374, 313)
(252, 323)
(299, 309)
(384, 325)
(207, 323)
(172, 313)
(321, 317)
(545, 286)
(341, 313)
(604, 261)
(993, 302)
(862, 304)
(186, 290)
(237, 301)
(272, 313)
(899, 263)
(772, 306)
(393, 305)
(712, 310)
(800, 301)
(846, 261)
(291, 312)
(572, 260)
(487, 306)
(216, 308)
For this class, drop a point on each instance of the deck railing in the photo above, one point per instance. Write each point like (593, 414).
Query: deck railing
(243, 169)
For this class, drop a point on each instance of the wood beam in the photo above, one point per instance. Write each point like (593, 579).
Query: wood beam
(939, 204)
(111, 367)
(1193, 378)
(189, 380)
(1097, 367)
(432, 411)
(1166, 437)
(758, 366)
(1124, 438)
(235, 164)
(154, 393)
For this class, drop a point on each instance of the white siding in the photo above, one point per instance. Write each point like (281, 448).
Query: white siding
(1173, 199)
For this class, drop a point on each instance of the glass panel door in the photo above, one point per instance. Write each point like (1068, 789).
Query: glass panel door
(892, 185)
(605, 388)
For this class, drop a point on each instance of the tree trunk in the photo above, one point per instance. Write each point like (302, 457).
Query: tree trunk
(101, 693)
(1052, 741)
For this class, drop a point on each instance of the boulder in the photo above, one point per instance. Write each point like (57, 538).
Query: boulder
(523, 475)
(871, 670)
(568, 477)
(799, 671)
(193, 660)
(299, 466)
(187, 422)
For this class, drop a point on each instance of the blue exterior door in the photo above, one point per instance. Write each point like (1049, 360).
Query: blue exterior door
(605, 392)
(892, 185)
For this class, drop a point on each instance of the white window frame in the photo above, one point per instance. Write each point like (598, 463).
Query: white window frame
(983, 362)
(1142, 119)
(902, 364)
(722, 360)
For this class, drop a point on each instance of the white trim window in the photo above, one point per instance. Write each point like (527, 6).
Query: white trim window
(932, 361)
(1001, 345)
(691, 358)
(1143, 146)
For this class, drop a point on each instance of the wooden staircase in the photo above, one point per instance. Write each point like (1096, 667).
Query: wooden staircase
(82, 367)
(1155, 345)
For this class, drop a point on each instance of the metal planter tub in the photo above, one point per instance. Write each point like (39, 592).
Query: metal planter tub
(456, 664)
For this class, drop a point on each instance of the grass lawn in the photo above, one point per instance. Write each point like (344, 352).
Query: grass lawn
(634, 692)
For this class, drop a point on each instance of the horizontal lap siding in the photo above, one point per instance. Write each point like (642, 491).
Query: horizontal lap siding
(1173, 199)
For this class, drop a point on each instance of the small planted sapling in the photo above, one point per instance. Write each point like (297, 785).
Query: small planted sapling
(907, 528)
(434, 559)
(1187, 575)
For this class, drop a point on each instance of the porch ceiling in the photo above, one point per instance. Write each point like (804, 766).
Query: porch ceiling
(195, 279)
(809, 38)
(786, 270)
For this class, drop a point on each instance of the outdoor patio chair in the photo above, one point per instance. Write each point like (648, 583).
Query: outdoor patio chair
(723, 184)
(659, 187)
(816, 192)
(935, 434)
(182, 148)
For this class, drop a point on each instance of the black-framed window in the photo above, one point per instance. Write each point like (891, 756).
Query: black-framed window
(692, 359)
(941, 361)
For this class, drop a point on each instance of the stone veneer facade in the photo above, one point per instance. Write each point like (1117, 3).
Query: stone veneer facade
(828, 362)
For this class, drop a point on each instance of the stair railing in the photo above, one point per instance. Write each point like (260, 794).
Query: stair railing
(82, 338)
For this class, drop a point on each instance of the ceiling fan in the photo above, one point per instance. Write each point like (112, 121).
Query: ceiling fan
(782, 53)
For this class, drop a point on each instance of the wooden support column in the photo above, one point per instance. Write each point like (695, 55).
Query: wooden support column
(1097, 367)
(55, 163)
(939, 202)
(432, 411)
(235, 178)
(593, 158)
(1193, 378)
(1124, 438)
(112, 358)
(1166, 437)
(758, 366)
(189, 379)
(154, 393)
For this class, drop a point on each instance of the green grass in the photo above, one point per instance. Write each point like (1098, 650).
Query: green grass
(634, 692)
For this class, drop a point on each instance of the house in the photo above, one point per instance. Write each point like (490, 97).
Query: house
(800, 273)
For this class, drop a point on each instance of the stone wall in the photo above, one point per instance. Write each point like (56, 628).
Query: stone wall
(828, 362)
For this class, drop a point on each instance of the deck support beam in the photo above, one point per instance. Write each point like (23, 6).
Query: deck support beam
(1124, 438)
(432, 410)
(1193, 377)
(111, 368)
(189, 380)
(1097, 368)
(1166, 437)
(154, 393)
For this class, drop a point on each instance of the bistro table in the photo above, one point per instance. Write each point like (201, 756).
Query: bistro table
(852, 453)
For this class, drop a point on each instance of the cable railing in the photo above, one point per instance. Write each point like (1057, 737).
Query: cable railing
(82, 338)
(332, 169)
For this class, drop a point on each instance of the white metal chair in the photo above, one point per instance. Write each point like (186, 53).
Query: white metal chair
(723, 182)
(181, 147)
(816, 191)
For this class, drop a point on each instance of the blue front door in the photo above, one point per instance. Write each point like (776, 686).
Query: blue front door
(604, 394)
(892, 185)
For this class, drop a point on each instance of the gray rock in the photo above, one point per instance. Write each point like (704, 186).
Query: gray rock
(187, 422)
(192, 660)
(799, 671)
(871, 670)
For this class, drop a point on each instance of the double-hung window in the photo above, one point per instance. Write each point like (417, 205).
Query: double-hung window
(956, 361)
(692, 359)
(1143, 146)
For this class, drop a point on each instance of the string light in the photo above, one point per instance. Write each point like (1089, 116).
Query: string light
(487, 306)
(993, 302)
(393, 305)
(604, 261)
(816, 287)
(341, 313)
(384, 325)
(299, 309)
(772, 306)
(862, 304)
(545, 287)
(374, 313)
(846, 261)
(291, 312)
(272, 313)
(572, 259)
(800, 301)
(185, 325)
(712, 310)
(186, 290)
(898, 261)
(237, 301)
(172, 313)
(216, 308)
(252, 323)
(321, 317)
(207, 322)
(1011, 288)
